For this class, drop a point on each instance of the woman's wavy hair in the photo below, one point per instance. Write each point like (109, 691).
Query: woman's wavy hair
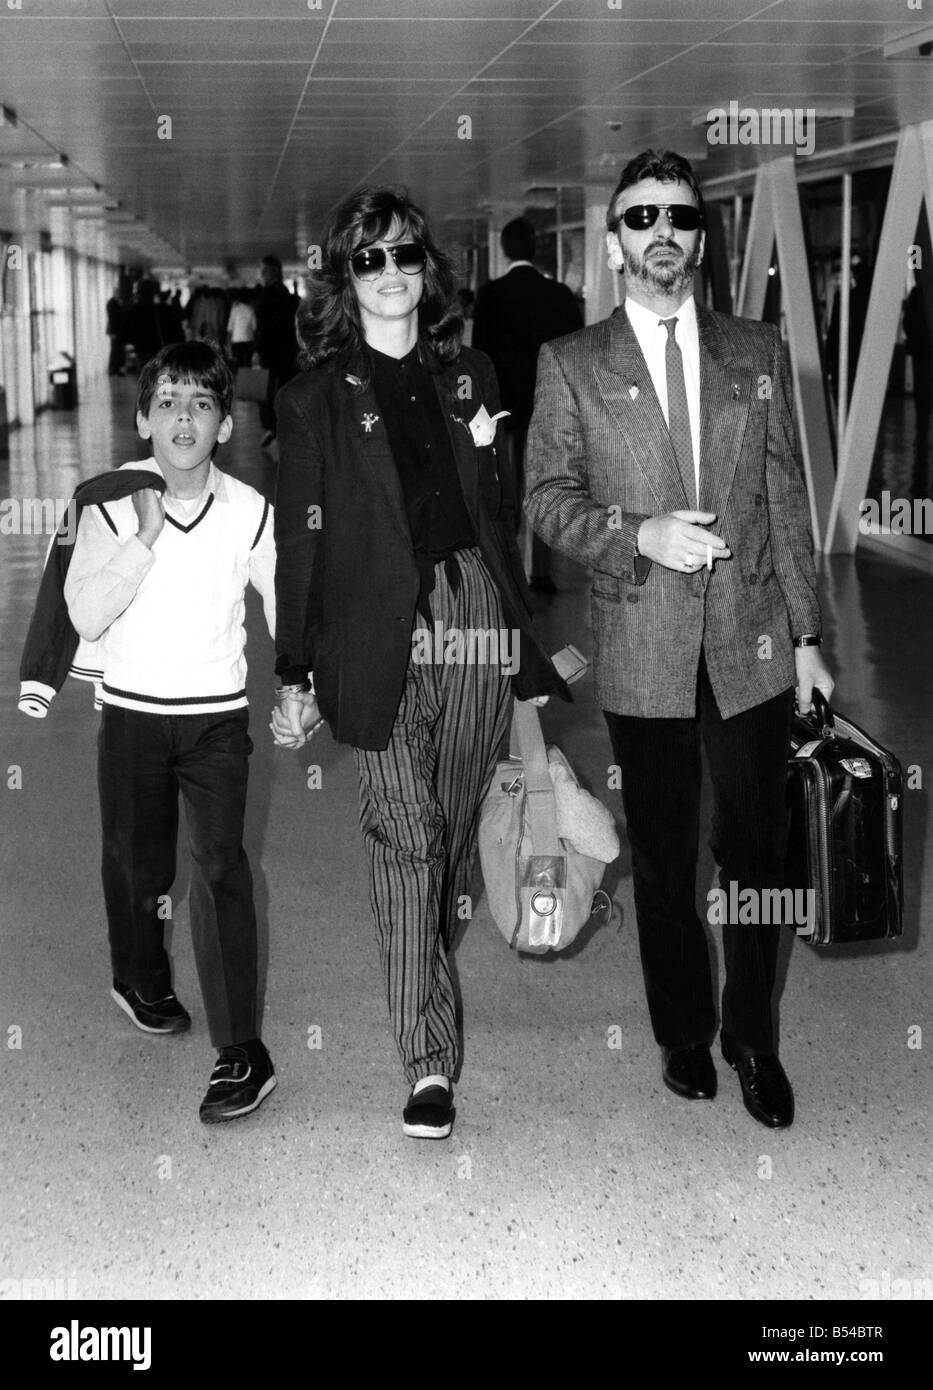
(328, 320)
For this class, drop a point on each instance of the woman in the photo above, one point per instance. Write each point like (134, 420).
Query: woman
(395, 536)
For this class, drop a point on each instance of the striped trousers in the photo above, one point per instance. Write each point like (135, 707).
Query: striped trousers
(419, 799)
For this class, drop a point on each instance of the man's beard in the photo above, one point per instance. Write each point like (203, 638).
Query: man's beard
(662, 275)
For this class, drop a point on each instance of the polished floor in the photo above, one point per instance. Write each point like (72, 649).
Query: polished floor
(572, 1171)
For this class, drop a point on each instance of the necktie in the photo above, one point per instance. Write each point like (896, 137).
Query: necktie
(678, 416)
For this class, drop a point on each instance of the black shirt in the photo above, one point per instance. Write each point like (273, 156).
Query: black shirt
(414, 421)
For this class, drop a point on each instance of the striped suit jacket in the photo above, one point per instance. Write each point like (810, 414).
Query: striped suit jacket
(599, 460)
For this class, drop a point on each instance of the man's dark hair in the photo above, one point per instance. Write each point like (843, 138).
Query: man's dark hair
(518, 240)
(273, 263)
(197, 362)
(663, 165)
(328, 320)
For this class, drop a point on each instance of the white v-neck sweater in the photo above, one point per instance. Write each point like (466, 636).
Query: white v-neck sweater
(171, 619)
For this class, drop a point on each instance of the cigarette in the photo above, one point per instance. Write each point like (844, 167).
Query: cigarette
(709, 557)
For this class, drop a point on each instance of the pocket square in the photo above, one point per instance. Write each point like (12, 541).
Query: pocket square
(633, 392)
(483, 426)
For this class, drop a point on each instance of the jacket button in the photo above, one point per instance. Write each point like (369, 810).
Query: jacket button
(632, 598)
(753, 579)
(758, 499)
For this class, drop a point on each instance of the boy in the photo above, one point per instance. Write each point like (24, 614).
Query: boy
(161, 582)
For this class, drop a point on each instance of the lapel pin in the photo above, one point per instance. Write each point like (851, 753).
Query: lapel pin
(353, 380)
(368, 422)
(735, 392)
(633, 392)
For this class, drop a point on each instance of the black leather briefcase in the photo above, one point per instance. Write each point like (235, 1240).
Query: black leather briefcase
(845, 794)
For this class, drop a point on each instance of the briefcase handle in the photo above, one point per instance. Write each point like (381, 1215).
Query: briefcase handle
(821, 714)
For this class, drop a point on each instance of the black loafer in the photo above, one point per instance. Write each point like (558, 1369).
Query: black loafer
(689, 1071)
(430, 1113)
(766, 1090)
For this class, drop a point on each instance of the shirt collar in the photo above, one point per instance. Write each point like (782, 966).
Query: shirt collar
(383, 360)
(213, 484)
(646, 320)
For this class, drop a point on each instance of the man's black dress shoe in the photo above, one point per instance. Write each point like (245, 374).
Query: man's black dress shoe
(689, 1071)
(765, 1088)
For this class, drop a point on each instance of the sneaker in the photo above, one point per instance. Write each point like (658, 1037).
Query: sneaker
(430, 1113)
(243, 1076)
(161, 1016)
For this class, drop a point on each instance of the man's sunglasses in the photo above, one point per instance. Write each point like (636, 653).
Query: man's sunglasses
(370, 262)
(682, 217)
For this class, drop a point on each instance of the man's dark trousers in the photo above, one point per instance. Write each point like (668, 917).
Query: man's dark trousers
(143, 761)
(660, 772)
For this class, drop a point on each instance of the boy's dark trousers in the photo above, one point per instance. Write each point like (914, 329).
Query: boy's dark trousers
(144, 760)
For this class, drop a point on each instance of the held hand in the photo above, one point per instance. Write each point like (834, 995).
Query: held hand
(539, 700)
(811, 671)
(679, 541)
(148, 506)
(294, 719)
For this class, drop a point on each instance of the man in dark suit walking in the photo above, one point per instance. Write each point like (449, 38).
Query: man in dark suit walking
(663, 455)
(276, 343)
(514, 315)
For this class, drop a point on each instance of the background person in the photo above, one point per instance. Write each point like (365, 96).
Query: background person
(514, 315)
(115, 319)
(276, 343)
(241, 328)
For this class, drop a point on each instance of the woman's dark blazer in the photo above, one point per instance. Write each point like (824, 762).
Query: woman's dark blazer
(346, 580)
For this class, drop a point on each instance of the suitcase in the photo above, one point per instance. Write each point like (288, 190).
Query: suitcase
(845, 797)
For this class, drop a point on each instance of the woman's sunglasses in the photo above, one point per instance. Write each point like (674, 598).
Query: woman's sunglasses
(682, 217)
(370, 262)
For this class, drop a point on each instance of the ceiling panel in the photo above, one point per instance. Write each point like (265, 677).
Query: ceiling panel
(279, 110)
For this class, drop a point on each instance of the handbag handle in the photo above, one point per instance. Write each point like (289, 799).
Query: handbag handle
(539, 800)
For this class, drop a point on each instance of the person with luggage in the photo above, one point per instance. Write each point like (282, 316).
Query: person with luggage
(662, 454)
(390, 524)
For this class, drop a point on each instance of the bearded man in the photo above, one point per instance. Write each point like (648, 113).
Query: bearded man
(662, 455)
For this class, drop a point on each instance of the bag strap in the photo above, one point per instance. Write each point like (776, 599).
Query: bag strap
(540, 801)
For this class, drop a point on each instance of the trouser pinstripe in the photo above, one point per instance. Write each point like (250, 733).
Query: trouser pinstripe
(419, 799)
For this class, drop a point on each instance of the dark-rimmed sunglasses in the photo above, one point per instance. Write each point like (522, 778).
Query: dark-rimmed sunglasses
(369, 262)
(682, 216)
